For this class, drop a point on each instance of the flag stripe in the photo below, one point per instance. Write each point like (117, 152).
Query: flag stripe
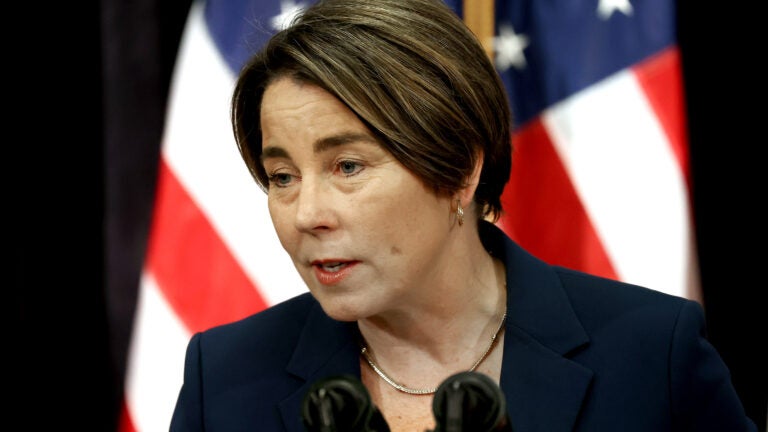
(157, 353)
(200, 148)
(195, 270)
(662, 81)
(661, 78)
(125, 421)
(551, 198)
(623, 169)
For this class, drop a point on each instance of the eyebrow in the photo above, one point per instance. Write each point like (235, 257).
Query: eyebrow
(321, 145)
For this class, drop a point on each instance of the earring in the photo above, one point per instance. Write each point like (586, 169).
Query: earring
(459, 212)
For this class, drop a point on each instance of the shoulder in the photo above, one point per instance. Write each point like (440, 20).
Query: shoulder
(660, 332)
(599, 301)
(580, 285)
(273, 330)
(549, 300)
(282, 314)
(228, 367)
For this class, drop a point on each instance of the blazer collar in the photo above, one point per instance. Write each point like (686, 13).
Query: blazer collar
(543, 388)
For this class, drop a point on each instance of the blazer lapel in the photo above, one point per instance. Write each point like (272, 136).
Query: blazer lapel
(325, 348)
(544, 390)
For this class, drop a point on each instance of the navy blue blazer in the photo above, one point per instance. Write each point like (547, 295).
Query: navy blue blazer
(581, 353)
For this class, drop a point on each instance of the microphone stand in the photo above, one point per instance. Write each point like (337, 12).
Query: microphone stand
(340, 403)
(470, 402)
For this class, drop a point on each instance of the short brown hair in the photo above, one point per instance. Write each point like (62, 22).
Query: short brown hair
(413, 73)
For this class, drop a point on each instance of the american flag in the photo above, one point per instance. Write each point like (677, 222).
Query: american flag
(600, 178)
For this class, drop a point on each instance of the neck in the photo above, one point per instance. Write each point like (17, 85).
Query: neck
(400, 387)
(454, 316)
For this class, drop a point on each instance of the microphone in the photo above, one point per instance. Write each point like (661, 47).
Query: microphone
(470, 401)
(340, 403)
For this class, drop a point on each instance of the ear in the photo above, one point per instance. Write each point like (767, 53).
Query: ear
(466, 194)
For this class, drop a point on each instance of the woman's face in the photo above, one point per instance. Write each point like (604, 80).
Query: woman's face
(366, 235)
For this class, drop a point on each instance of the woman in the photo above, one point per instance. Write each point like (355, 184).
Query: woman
(380, 132)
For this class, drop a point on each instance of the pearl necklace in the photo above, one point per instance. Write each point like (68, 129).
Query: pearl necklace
(366, 353)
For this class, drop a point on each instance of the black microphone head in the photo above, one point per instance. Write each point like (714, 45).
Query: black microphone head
(469, 401)
(338, 403)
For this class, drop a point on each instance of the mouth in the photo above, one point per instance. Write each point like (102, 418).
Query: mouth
(331, 266)
(332, 271)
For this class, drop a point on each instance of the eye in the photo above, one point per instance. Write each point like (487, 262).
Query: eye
(349, 168)
(280, 179)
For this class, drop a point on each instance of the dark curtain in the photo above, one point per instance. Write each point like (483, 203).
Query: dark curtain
(139, 41)
(88, 88)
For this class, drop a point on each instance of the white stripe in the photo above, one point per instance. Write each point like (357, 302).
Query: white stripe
(623, 168)
(156, 360)
(200, 147)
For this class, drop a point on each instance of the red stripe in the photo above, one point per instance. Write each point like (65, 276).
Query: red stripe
(193, 267)
(661, 79)
(125, 423)
(543, 213)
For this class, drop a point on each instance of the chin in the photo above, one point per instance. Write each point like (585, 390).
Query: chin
(339, 310)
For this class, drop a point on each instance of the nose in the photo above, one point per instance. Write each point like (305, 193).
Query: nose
(315, 212)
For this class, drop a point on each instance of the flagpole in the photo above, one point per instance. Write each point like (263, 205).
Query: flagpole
(479, 17)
